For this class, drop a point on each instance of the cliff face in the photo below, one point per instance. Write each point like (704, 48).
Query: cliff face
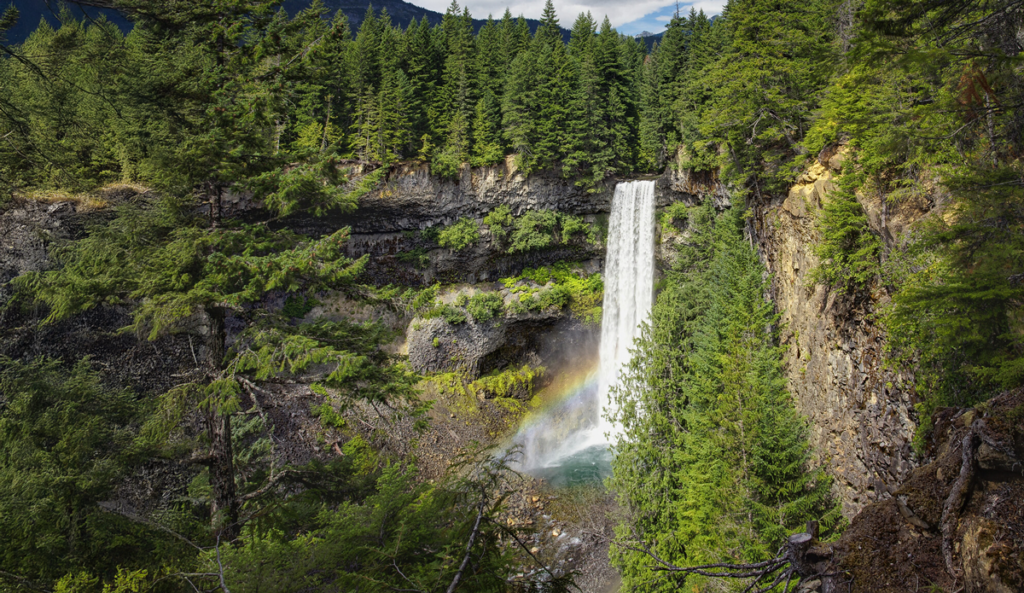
(860, 413)
(413, 199)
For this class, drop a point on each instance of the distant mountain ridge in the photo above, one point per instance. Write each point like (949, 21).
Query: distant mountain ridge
(402, 13)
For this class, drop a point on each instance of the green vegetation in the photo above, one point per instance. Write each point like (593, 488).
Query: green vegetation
(939, 114)
(674, 215)
(848, 250)
(418, 257)
(515, 383)
(460, 235)
(484, 306)
(583, 294)
(66, 442)
(197, 102)
(203, 100)
(717, 466)
(536, 229)
(298, 305)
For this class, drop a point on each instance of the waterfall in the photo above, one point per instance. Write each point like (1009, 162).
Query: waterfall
(628, 288)
(574, 437)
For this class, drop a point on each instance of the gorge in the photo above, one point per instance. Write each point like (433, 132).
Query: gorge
(450, 305)
(576, 436)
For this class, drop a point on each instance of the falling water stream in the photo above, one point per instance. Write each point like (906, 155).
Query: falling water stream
(570, 442)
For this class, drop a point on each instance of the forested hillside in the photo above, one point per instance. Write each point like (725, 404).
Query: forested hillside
(203, 142)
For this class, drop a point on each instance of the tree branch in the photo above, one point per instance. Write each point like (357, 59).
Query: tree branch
(469, 548)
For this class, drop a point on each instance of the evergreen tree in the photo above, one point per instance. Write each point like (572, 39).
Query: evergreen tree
(716, 464)
(422, 65)
(457, 96)
(65, 442)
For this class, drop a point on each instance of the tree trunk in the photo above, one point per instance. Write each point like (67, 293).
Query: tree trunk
(224, 509)
(215, 195)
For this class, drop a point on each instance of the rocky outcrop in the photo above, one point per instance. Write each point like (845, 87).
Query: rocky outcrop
(409, 259)
(26, 231)
(411, 198)
(860, 413)
(956, 523)
(550, 338)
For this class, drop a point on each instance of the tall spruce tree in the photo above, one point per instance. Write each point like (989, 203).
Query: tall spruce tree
(716, 466)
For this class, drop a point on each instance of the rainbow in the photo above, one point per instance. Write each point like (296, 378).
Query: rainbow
(567, 408)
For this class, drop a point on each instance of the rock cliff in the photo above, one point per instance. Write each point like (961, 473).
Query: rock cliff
(861, 413)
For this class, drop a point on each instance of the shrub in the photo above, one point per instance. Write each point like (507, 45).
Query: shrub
(573, 226)
(673, 215)
(498, 222)
(460, 235)
(485, 306)
(511, 383)
(452, 315)
(417, 257)
(583, 295)
(533, 230)
(431, 234)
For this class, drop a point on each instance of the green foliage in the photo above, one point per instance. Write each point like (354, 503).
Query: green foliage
(673, 215)
(451, 314)
(944, 108)
(460, 235)
(498, 221)
(298, 306)
(537, 229)
(418, 257)
(65, 442)
(406, 533)
(716, 464)
(533, 230)
(513, 382)
(362, 455)
(484, 306)
(574, 227)
(848, 250)
(583, 294)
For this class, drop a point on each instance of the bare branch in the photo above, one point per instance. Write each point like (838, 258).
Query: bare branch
(469, 548)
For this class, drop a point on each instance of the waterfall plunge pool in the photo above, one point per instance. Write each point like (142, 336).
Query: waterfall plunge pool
(568, 444)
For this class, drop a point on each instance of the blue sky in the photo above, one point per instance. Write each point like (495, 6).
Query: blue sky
(629, 17)
(655, 21)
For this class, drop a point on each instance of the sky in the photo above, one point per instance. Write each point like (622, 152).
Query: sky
(630, 16)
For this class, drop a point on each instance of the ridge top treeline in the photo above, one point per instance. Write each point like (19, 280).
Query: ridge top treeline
(590, 108)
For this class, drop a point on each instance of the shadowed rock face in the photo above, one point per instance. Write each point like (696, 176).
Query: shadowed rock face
(412, 199)
(896, 545)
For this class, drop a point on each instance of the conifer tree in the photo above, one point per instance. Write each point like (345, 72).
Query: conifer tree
(724, 458)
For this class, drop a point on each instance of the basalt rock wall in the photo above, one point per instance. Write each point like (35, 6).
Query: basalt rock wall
(412, 199)
(860, 413)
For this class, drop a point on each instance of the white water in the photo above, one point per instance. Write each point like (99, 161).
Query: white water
(628, 294)
(628, 289)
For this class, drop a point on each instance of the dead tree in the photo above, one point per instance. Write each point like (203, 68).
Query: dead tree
(802, 558)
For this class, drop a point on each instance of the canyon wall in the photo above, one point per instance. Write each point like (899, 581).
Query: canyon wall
(860, 412)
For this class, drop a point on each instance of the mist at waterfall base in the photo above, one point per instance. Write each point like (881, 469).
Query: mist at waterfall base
(568, 443)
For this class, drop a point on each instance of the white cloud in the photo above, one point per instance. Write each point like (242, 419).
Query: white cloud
(664, 17)
(617, 11)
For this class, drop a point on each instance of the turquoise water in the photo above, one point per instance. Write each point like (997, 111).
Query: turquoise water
(587, 467)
